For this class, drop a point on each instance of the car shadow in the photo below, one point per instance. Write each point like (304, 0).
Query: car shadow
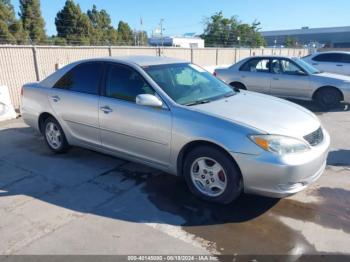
(34, 180)
(161, 198)
(339, 158)
(312, 106)
(170, 195)
(133, 192)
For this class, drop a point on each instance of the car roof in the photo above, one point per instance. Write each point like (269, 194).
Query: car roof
(139, 60)
(332, 52)
(269, 56)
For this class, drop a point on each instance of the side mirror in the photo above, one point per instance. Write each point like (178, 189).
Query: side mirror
(148, 100)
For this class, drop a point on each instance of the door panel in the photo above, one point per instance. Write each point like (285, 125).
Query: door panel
(346, 69)
(257, 82)
(286, 82)
(255, 75)
(74, 99)
(346, 62)
(331, 62)
(327, 67)
(140, 131)
(78, 112)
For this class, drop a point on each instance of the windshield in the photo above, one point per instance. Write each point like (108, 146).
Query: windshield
(306, 66)
(188, 84)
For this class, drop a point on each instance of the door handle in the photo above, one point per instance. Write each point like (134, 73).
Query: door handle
(243, 76)
(106, 109)
(339, 65)
(314, 63)
(276, 78)
(55, 98)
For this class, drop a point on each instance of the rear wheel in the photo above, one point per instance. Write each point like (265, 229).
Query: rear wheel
(328, 97)
(54, 136)
(212, 175)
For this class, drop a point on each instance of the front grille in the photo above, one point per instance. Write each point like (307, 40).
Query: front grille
(315, 138)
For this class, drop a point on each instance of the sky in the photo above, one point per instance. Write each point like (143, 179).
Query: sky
(186, 16)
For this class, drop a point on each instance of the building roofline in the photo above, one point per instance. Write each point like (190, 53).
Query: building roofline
(305, 31)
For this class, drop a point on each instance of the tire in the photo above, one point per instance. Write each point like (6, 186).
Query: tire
(203, 182)
(328, 98)
(238, 85)
(54, 136)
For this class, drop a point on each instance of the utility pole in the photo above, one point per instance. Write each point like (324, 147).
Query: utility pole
(161, 31)
(141, 31)
(135, 37)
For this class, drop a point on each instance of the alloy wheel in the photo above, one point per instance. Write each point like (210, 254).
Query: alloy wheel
(208, 176)
(53, 135)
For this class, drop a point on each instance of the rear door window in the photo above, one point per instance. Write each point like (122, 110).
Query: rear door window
(276, 66)
(256, 65)
(84, 78)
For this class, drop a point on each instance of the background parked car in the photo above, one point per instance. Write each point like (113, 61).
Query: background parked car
(333, 62)
(287, 77)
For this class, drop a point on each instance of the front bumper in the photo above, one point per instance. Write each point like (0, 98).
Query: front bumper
(346, 94)
(271, 175)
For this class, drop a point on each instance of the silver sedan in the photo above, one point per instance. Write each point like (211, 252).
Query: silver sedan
(289, 78)
(177, 117)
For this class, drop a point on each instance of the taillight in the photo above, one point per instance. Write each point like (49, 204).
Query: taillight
(214, 73)
(22, 91)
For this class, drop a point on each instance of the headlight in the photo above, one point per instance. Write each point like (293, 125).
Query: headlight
(280, 145)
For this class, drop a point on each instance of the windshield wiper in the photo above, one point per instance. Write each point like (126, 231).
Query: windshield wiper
(198, 102)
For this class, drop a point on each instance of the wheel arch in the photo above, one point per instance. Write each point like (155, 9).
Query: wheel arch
(327, 87)
(240, 84)
(196, 143)
(42, 118)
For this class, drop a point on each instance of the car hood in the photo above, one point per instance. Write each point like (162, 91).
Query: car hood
(332, 76)
(266, 113)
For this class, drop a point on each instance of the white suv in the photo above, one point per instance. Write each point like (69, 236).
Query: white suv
(333, 62)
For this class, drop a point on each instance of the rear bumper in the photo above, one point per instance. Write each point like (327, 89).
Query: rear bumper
(275, 176)
(30, 119)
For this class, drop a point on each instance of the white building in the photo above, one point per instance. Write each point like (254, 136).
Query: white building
(185, 41)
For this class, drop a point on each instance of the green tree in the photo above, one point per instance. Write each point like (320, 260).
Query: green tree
(103, 33)
(228, 32)
(73, 25)
(125, 34)
(249, 35)
(54, 40)
(290, 42)
(5, 35)
(32, 20)
(11, 30)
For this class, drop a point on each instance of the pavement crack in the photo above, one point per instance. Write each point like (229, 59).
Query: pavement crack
(113, 169)
(31, 172)
(16, 181)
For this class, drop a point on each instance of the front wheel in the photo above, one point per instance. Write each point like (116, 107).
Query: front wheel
(212, 175)
(328, 98)
(54, 136)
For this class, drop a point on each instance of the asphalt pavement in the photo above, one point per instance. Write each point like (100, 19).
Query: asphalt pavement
(84, 202)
